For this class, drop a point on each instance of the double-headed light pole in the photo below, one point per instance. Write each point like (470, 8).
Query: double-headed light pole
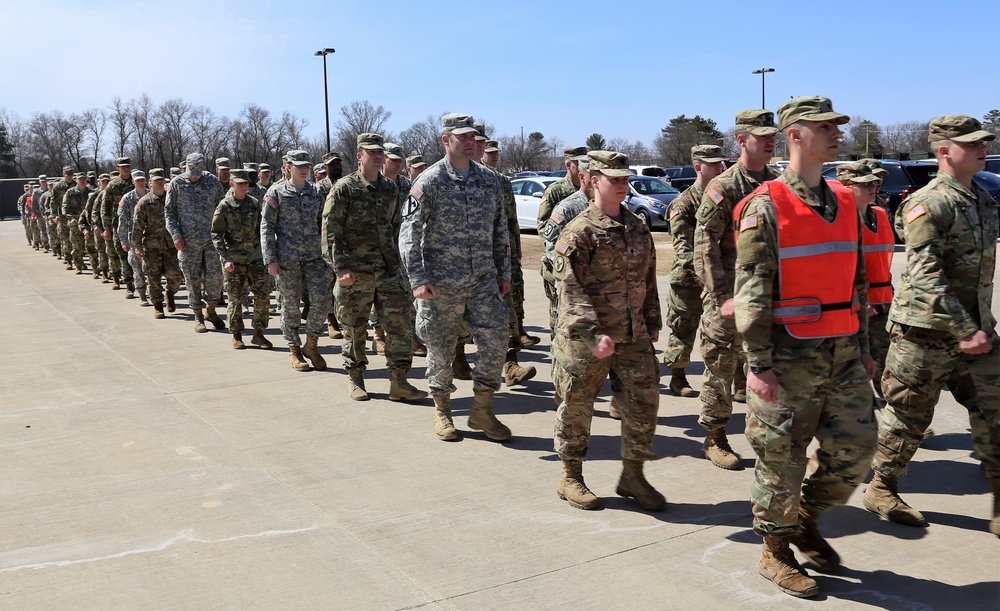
(326, 92)
(762, 72)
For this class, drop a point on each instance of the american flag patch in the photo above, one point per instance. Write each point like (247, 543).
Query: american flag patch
(273, 202)
(749, 222)
(416, 192)
(715, 196)
(915, 213)
(217, 212)
(561, 247)
(674, 212)
(557, 218)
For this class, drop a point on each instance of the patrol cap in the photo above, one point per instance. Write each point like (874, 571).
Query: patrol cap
(574, 153)
(707, 153)
(876, 167)
(957, 128)
(265, 167)
(240, 175)
(156, 174)
(298, 157)
(609, 163)
(104, 176)
(138, 174)
(251, 167)
(809, 108)
(481, 129)
(319, 168)
(67, 169)
(195, 162)
(91, 174)
(123, 161)
(115, 173)
(175, 171)
(223, 163)
(584, 164)
(371, 142)
(415, 161)
(393, 150)
(757, 122)
(330, 157)
(183, 165)
(27, 185)
(492, 146)
(457, 123)
(32, 184)
(42, 177)
(858, 172)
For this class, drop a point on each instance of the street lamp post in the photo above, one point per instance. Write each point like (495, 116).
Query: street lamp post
(762, 72)
(326, 93)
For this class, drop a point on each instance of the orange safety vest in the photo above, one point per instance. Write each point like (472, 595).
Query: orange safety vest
(879, 246)
(817, 262)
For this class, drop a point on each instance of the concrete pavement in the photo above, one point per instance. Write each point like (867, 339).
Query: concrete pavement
(148, 467)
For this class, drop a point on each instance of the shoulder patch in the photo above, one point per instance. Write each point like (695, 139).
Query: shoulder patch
(915, 213)
(714, 195)
(411, 206)
(217, 212)
(560, 264)
(748, 222)
(674, 212)
(561, 247)
(416, 193)
(557, 218)
(273, 202)
(121, 204)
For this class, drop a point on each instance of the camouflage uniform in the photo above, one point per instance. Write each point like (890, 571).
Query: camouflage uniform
(714, 262)
(551, 197)
(51, 227)
(74, 202)
(606, 274)
(151, 238)
(126, 214)
(189, 209)
(117, 258)
(290, 236)
(567, 210)
(236, 236)
(455, 236)
(41, 227)
(945, 294)
(684, 305)
(59, 190)
(89, 222)
(515, 298)
(361, 221)
(823, 388)
(22, 209)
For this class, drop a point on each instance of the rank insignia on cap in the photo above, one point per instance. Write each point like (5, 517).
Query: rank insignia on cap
(416, 192)
(674, 212)
(561, 247)
(557, 218)
(915, 213)
(749, 222)
(714, 195)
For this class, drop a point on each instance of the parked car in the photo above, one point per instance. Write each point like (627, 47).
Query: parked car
(558, 173)
(648, 197)
(528, 193)
(525, 174)
(993, 164)
(990, 182)
(681, 176)
(647, 170)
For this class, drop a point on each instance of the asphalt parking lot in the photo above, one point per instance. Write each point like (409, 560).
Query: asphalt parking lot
(149, 467)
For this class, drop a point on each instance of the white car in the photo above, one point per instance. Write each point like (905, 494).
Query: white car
(527, 194)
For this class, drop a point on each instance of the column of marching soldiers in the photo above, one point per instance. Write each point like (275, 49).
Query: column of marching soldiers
(433, 253)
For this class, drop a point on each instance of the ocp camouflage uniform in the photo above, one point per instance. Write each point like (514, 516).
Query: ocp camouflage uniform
(823, 387)
(454, 236)
(89, 222)
(59, 190)
(684, 304)
(236, 236)
(51, 226)
(945, 294)
(117, 258)
(290, 236)
(22, 210)
(189, 209)
(151, 238)
(361, 222)
(74, 202)
(714, 263)
(515, 298)
(606, 275)
(41, 227)
(126, 214)
(551, 197)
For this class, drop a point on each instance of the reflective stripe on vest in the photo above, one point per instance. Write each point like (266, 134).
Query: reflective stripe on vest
(817, 262)
(879, 246)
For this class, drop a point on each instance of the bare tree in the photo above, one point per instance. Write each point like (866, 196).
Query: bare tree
(17, 137)
(94, 122)
(210, 133)
(141, 120)
(119, 115)
(358, 118)
(423, 138)
(521, 153)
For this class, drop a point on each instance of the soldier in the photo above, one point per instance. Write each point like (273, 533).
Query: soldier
(513, 372)
(415, 164)
(265, 176)
(30, 207)
(454, 245)
(74, 202)
(605, 268)
(553, 194)
(152, 244)
(59, 190)
(236, 235)
(333, 165)
(360, 224)
(684, 305)
(92, 179)
(190, 205)
(222, 168)
(22, 209)
(714, 262)
(108, 211)
(942, 330)
(319, 172)
(126, 212)
(879, 242)
(90, 224)
(290, 237)
(41, 223)
(805, 339)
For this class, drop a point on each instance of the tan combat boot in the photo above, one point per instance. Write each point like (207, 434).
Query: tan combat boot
(400, 389)
(158, 311)
(460, 366)
(443, 425)
(525, 340)
(482, 418)
(995, 522)
(298, 363)
(356, 384)
(679, 384)
(882, 498)
(171, 306)
(717, 450)
(812, 544)
(311, 352)
(513, 373)
(777, 563)
(144, 299)
(199, 322)
(633, 485)
(258, 339)
(333, 327)
(740, 385)
(378, 340)
(238, 341)
(573, 489)
(213, 318)
(619, 399)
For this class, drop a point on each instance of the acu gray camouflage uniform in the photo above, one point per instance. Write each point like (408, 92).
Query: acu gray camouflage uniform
(189, 209)
(126, 215)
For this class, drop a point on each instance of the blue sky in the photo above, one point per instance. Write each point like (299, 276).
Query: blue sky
(566, 69)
